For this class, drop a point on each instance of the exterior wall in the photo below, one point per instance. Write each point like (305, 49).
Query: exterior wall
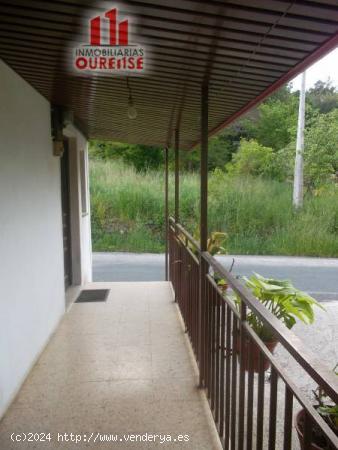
(32, 297)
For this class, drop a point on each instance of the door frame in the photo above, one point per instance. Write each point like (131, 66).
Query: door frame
(66, 216)
(75, 209)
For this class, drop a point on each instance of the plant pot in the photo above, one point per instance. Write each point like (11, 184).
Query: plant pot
(223, 288)
(299, 427)
(254, 350)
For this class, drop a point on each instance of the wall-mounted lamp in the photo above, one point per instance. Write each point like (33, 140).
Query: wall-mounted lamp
(60, 117)
(57, 130)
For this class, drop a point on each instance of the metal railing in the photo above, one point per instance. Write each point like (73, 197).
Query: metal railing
(248, 412)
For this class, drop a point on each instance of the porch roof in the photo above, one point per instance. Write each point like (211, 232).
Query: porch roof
(244, 48)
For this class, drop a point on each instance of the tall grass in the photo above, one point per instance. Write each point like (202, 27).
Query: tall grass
(128, 213)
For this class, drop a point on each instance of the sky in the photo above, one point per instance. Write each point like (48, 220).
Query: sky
(323, 69)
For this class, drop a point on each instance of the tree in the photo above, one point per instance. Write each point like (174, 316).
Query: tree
(253, 159)
(221, 148)
(321, 157)
(273, 124)
(223, 145)
(106, 149)
(274, 128)
(142, 157)
(323, 96)
(189, 160)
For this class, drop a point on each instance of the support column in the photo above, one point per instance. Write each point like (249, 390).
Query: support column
(177, 176)
(204, 169)
(203, 227)
(166, 212)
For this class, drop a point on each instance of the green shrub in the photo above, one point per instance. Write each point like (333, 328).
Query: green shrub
(253, 159)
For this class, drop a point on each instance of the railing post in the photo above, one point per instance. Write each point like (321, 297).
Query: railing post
(243, 359)
(166, 213)
(203, 227)
(177, 206)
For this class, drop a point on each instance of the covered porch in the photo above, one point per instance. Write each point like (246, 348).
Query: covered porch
(172, 358)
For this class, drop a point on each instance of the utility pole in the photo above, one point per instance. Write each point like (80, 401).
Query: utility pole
(299, 160)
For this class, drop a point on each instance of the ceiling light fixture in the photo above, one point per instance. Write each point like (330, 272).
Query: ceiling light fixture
(131, 111)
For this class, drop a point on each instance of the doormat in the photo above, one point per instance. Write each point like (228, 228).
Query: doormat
(92, 295)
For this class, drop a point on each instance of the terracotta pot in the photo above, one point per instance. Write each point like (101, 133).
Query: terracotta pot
(223, 288)
(255, 351)
(299, 427)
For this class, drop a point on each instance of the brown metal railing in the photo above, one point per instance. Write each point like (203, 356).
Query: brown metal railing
(184, 275)
(248, 412)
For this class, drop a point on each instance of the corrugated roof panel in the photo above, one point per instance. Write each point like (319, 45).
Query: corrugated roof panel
(244, 48)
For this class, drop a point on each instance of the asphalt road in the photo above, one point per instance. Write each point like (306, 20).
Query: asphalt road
(317, 276)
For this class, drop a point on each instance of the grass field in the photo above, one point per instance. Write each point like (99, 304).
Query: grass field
(127, 213)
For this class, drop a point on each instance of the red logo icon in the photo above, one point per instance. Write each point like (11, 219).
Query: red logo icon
(119, 30)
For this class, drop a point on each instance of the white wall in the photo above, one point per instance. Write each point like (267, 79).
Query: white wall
(32, 297)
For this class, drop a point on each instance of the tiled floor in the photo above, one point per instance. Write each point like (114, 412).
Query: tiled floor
(120, 367)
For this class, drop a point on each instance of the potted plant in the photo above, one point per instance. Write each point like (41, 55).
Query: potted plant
(284, 301)
(215, 246)
(215, 243)
(221, 282)
(328, 411)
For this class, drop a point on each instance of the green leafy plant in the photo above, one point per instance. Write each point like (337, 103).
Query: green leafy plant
(281, 298)
(253, 159)
(215, 243)
(221, 283)
(215, 246)
(326, 408)
(331, 412)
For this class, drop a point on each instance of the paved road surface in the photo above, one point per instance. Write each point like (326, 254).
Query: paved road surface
(318, 276)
